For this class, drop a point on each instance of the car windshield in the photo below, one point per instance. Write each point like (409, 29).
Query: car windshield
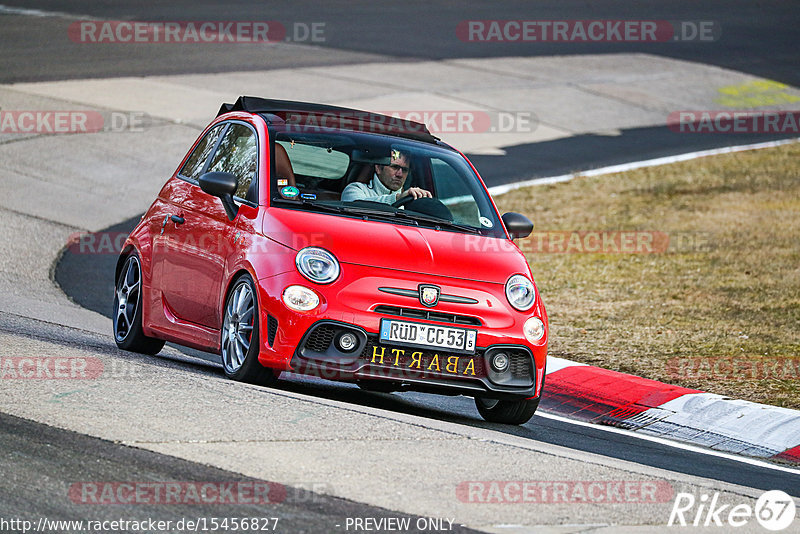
(346, 173)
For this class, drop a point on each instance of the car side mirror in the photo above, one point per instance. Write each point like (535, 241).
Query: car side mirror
(222, 185)
(517, 224)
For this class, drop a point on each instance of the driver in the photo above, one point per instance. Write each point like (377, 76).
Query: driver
(387, 183)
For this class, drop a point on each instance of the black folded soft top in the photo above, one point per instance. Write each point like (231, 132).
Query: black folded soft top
(347, 118)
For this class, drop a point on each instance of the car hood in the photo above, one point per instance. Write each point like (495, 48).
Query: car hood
(393, 246)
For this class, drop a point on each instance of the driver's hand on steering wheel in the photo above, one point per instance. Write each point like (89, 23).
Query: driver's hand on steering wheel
(415, 192)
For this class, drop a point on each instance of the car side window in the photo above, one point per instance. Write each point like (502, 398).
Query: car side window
(454, 193)
(238, 155)
(193, 167)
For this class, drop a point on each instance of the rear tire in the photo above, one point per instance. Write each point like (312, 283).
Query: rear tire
(239, 338)
(509, 412)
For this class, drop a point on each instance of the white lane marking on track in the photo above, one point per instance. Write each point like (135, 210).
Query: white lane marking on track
(672, 443)
(556, 364)
(505, 188)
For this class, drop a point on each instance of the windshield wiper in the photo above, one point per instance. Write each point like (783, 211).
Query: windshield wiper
(445, 223)
(350, 210)
(309, 204)
(367, 211)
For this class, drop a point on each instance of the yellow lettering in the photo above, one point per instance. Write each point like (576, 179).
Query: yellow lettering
(470, 368)
(452, 365)
(435, 361)
(397, 353)
(375, 353)
(416, 358)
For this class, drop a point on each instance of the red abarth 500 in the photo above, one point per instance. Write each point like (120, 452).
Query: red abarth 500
(339, 243)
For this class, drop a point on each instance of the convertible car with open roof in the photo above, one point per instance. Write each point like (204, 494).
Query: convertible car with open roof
(349, 245)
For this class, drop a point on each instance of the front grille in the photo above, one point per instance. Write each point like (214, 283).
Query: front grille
(272, 329)
(429, 315)
(320, 339)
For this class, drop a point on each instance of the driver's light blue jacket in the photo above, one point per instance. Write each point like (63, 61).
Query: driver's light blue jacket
(374, 191)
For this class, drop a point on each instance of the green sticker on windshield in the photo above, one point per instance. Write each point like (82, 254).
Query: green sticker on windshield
(289, 192)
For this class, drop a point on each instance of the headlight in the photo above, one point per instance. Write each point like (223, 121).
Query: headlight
(533, 330)
(300, 298)
(520, 292)
(317, 264)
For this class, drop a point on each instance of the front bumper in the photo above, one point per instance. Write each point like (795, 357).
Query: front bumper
(413, 368)
(304, 342)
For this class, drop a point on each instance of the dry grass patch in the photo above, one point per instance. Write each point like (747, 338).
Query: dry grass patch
(718, 311)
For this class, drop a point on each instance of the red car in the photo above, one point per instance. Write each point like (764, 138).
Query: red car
(340, 243)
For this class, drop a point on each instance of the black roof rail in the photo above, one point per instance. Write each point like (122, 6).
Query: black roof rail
(324, 116)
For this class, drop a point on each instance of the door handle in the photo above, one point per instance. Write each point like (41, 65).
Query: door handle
(177, 219)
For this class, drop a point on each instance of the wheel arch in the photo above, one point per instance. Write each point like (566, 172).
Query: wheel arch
(123, 255)
(232, 280)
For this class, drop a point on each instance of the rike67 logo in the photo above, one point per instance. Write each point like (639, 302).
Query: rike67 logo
(774, 510)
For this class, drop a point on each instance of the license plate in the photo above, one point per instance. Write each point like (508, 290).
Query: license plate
(428, 336)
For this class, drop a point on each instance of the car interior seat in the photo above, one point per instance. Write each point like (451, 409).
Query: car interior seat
(283, 165)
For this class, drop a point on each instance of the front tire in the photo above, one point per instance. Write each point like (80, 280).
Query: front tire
(128, 332)
(240, 336)
(509, 412)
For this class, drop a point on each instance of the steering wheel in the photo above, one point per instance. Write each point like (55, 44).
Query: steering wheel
(403, 201)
